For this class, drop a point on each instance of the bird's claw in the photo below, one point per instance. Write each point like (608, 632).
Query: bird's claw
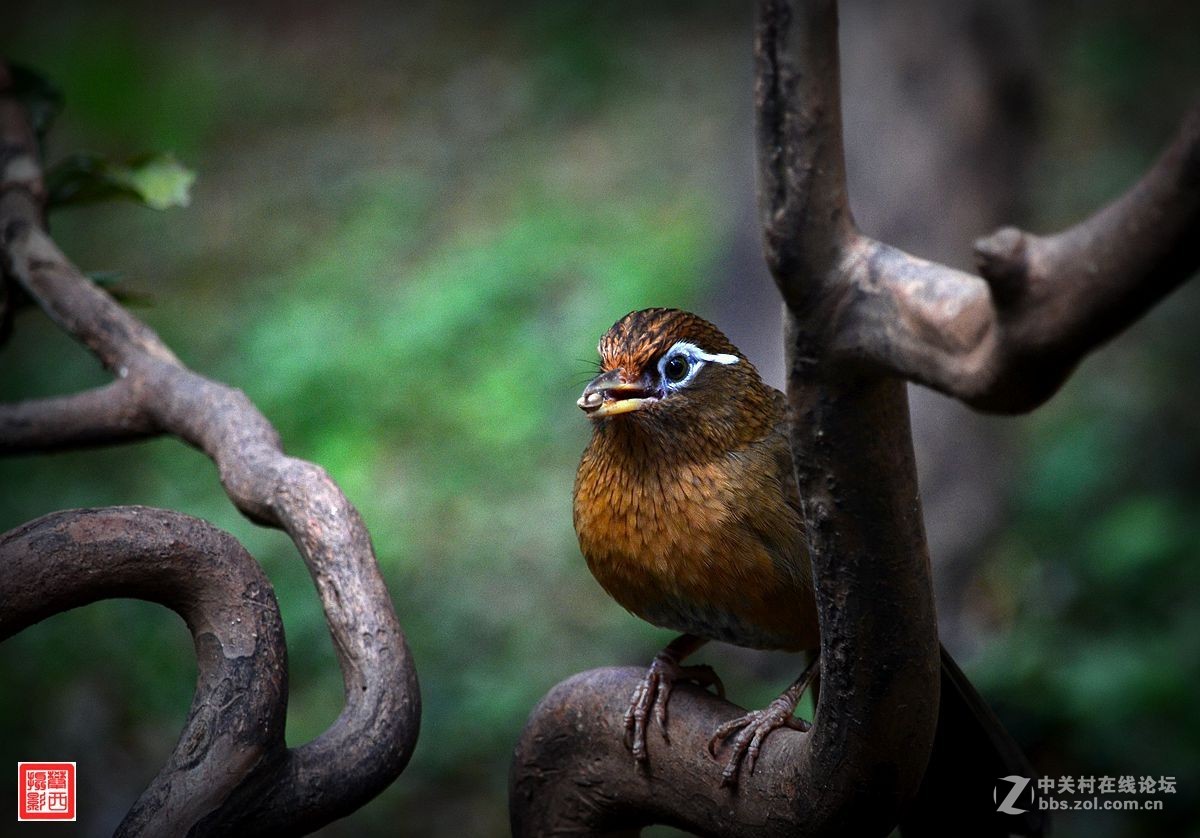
(652, 694)
(755, 726)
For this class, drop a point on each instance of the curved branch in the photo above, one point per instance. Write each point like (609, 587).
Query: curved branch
(1006, 341)
(1059, 297)
(236, 722)
(862, 318)
(572, 772)
(374, 736)
(876, 715)
(877, 709)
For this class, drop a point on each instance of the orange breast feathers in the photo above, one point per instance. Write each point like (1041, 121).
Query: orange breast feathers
(711, 547)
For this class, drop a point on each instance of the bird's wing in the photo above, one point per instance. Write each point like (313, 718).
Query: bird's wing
(782, 530)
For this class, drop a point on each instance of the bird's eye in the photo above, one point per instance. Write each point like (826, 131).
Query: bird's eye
(676, 368)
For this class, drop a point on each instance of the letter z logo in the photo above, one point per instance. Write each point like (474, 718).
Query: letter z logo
(1018, 786)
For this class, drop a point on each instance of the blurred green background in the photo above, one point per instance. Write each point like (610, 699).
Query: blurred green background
(409, 228)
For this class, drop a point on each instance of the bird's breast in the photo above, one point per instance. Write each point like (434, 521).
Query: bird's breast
(680, 545)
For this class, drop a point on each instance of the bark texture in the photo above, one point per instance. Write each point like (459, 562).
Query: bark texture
(1006, 340)
(862, 319)
(73, 558)
(289, 790)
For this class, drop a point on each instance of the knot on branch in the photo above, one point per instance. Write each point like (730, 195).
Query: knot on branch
(1003, 261)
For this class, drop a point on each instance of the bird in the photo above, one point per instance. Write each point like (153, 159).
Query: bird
(688, 513)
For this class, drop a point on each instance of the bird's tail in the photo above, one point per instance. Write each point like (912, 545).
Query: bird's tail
(973, 770)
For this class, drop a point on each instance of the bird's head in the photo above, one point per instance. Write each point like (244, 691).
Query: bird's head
(665, 370)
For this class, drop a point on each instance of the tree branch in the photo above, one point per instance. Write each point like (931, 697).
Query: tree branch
(862, 318)
(877, 708)
(68, 559)
(1007, 340)
(373, 738)
(803, 206)
(572, 772)
(103, 416)
(1061, 296)
(1004, 341)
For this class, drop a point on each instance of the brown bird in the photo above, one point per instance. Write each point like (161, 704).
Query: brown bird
(688, 514)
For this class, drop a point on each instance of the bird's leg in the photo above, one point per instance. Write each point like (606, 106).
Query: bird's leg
(653, 692)
(757, 724)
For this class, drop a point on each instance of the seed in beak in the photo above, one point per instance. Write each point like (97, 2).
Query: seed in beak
(592, 400)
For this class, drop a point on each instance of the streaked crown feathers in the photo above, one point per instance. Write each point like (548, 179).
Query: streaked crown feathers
(640, 338)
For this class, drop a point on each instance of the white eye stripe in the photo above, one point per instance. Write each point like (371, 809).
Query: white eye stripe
(696, 358)
(719, 358)
(696, 353)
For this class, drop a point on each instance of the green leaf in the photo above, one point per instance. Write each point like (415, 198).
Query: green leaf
(158, 181)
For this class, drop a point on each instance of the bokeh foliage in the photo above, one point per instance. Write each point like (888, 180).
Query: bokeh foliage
(1093, 588)
(409, 228)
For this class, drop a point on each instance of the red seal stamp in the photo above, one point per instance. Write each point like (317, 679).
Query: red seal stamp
(45, 791)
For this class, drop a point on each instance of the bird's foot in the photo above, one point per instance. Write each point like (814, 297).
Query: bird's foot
(754, 728)
(651, 696)
(756, 725)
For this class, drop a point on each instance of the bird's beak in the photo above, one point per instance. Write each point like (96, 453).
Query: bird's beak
(608, 395)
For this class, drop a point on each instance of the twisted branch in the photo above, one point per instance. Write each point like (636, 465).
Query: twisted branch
(372, 739)
(68, 559)
(862, 319)
(572, 773)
